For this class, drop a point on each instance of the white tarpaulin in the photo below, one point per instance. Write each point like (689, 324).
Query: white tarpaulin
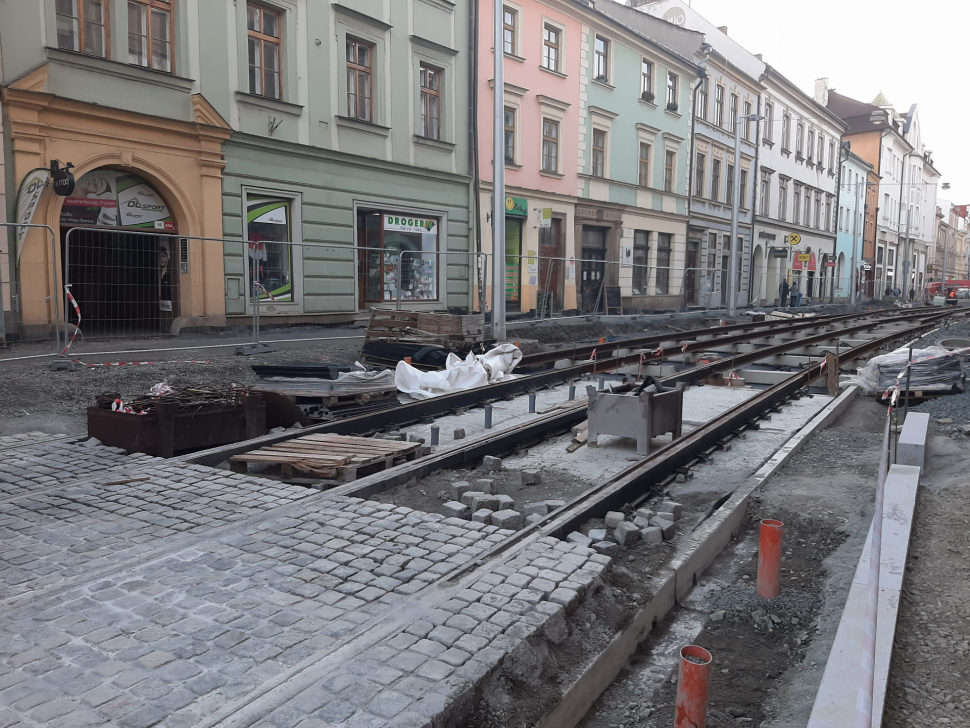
(474, 371)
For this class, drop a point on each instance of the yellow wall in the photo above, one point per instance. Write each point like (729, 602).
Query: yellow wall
(182, 160)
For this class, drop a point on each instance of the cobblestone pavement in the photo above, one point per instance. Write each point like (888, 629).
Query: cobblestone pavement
(155, 593)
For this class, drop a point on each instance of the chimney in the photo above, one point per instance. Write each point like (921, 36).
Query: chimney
(723, 29)
(822, 91)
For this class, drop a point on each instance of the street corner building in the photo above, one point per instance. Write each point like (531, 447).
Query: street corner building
(289, 125)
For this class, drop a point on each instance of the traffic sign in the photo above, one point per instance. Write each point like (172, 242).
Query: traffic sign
(793, 238)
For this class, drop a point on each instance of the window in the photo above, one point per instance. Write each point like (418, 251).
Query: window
(81, 26)
(430, 102)
(811, 146)
(747, 122)
(550, 146)
(786, 132)
(821, 152)
(769, 121)
(700, 162)
(669, 171)
(734, 112)
(730, 184)
(641, 248)
(399, 245)
(829, 223)
(725, 261)
(509, 135)
(150, 34)
(841, 218)
(602, 60)
(509, 18)
(663, 264)
(599, 152)
(765, 194)
(807, 216)
(550, 48)
(799, 139)
(360, 57)
(646, 80)
(818, 210)
(719, 105)
(711, 271)
(743, 190)
(644, 165)
(782, 199)
(270, 258)
(672, 91)
(716, 180)
(702, 94)
(797, 205)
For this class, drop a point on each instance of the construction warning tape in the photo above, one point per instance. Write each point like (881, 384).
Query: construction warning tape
(271, 296)
(683, 348)
(77, 310)
(659, 351)
(592, 357)
(141, 363)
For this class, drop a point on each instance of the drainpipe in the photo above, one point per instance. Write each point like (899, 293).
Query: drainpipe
(474, 183)
(755, 183)
(690, 170)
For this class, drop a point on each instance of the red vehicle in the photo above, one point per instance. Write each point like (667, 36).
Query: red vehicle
(933, 289)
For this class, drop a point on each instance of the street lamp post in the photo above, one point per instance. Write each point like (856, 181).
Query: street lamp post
(732, 297)
(498, 179)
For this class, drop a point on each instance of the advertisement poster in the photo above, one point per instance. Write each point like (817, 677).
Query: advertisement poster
(571, 270)
(627, 258)
(110, 198)
(31, 188)
(533, 267)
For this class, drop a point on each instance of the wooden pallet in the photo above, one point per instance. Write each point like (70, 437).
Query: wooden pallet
(339, 457)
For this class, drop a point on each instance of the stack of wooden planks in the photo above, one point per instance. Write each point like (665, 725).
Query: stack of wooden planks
(334, 457)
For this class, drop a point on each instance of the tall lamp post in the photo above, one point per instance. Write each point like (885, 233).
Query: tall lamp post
(732, 299)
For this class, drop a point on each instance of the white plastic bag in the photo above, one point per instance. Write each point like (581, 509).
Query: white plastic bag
(473, 371)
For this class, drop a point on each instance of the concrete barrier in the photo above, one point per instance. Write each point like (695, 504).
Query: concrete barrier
(911, 446)
(835, 703)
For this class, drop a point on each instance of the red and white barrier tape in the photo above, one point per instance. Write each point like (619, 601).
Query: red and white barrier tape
(592, 357)
(141, 363)
(659, 351)
(683, 348)
(270, 295)
(77, 310)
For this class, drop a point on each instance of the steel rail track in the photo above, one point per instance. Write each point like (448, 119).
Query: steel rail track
(449, 403)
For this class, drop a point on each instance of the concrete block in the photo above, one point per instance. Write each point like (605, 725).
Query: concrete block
(484, 500)
(670, 507)
(568, 598)
(540, 508)
(614, 518)
(644, 513)
(415, 438)
(508, 519)
(530, 477)
(641, 522)
(484, 485)
(652, 534)
(911, 446)
(482, 515)
(626, 534)
(532, 518)
(666, 527)
(491, 463)
(469, 496)
(554, 504)
(459, 433)
(607, 548)
(666, 515)
(505, 502)
(597, 534)
(460, 488)
(456, 509)
(577, 537)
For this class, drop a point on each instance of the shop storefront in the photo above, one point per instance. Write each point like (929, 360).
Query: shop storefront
(391, 246)
(516, 211)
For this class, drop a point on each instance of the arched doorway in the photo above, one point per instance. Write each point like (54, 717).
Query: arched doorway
(757, 285)
(120, 255)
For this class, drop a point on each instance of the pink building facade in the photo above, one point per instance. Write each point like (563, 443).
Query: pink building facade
(542, 46)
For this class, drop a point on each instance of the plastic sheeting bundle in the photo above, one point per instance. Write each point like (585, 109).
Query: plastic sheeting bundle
(473, 371)
(934, 369)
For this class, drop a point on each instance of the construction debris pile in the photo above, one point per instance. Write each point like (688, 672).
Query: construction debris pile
(187, 399)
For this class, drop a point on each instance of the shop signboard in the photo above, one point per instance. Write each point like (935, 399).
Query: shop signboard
(517, 206)
(405, 224)
(545, 217)
(109, 198)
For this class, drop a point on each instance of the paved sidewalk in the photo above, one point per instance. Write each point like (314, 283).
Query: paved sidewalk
(137, 592)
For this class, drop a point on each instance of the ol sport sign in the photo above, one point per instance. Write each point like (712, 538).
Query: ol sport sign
(400, 223)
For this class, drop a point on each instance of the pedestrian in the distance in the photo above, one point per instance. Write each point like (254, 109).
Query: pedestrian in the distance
(796, 296)
(783, 291)
(912, 295)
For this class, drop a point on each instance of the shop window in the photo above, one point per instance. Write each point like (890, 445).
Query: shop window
(550, 145)
(641, 249)
(81, 26)
(150, 32)
(360, 57)
(270, 256)
(430, 102)
(663, 264)
(392, 244)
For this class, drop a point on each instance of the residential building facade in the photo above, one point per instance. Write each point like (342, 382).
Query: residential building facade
(951, 235)
(850, 224)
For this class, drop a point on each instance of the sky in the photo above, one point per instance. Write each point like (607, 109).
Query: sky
(914, 52)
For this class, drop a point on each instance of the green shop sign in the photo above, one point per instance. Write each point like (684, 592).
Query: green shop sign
(517, 206)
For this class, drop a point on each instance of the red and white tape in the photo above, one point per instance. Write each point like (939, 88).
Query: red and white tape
(141, 363)
(77, 310)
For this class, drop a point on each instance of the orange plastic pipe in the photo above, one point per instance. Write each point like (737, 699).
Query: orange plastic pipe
(693, 686)
(769, 558)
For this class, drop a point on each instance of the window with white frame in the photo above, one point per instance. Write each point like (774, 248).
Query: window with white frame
(702, 97)
(599, 153)
(785, 132)
(510, 134)
(430, 102)
(360, 65)
(646, 80)
(811, 146)
(797, 205)
(782, 198)
(729, 199)
(769, 133)
(734, 113)
(670, 161)
(550, 145)
(601, 67)
(643, 176)
(673, 83)
(150, 31)
(551, 47)
(747, 121)
(821, 151)
(700, 162)
(82, 26)
(719, 105)
(765, 194)
(509, 22)
(716, 180)
(799, 139)
(743, 190)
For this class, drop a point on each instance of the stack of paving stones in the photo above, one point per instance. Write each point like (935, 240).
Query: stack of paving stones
(203, 597)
